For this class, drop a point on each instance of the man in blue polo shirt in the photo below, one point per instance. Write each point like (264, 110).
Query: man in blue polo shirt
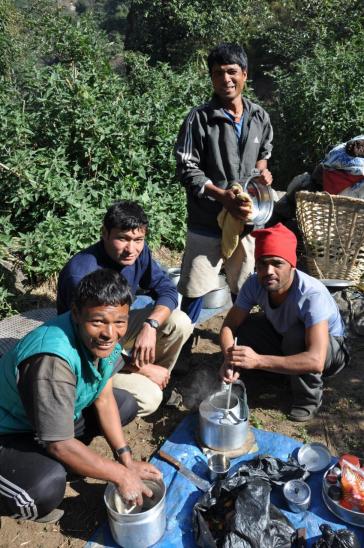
(300, 332)
(155, 333)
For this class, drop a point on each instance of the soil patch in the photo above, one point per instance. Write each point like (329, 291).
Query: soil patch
(340, 425)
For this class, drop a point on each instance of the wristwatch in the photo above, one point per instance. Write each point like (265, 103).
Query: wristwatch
(153, 323)
(121, 451)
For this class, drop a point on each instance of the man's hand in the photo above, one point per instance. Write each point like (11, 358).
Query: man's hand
(228, 374)
(265, 177)
(144, 346)
(156, 373)
(243, 357)
(238, 208)
(131, 487)
(145, 470)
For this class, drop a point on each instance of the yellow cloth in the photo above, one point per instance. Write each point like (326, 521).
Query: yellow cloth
(230, 226)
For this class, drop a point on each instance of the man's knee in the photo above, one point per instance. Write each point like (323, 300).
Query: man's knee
(178, 323)
(149, 401)
(50, 491)
(38, 499)
(127, 405)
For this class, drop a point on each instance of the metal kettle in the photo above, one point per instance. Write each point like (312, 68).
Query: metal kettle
(222, 428)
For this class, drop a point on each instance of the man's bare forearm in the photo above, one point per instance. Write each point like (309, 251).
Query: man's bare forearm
(82, 460)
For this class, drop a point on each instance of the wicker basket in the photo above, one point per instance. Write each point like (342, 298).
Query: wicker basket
(333, 234)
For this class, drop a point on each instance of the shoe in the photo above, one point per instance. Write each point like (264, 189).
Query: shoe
(303, 413)
(53, 516)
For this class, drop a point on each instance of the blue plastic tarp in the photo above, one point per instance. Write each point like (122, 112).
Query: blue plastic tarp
(182, 494)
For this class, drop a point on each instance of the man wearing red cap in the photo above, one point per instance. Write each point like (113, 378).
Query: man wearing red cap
(300, 332)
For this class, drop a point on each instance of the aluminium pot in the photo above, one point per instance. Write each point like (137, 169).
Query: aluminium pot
(224, 429)
(174, 275)
(218, 297)
(140, 528)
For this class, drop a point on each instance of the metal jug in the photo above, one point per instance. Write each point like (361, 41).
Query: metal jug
(224, 429)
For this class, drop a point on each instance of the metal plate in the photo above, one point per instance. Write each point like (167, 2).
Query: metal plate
(315, 456)
(262, 198)
(337, 283)
(349, 516)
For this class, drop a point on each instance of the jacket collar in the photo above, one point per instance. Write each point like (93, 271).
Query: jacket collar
(215, 109)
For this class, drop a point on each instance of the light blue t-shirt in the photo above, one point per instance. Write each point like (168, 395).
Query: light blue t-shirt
(308, 301)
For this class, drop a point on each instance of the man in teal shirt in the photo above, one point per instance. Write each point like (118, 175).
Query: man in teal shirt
(56, 394)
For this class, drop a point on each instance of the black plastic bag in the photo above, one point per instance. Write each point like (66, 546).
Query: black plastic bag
(336, 539)
(237, 513)
(275, 470)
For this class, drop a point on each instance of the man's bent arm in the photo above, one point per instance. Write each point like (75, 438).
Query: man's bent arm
(234, 319)
(109, 419)
(188, 151)
(312, 360)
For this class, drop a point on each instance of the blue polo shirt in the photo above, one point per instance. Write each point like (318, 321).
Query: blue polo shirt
(144, 273)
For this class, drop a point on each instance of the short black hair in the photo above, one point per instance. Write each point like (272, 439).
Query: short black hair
(125, 215)
(227, 54)
(102, 287)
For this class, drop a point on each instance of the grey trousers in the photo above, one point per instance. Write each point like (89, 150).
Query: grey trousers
(258, 333)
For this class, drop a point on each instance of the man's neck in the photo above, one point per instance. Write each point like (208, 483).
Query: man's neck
(235, 106)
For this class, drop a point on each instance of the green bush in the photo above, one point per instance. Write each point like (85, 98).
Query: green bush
(319, 103)
(76, 136)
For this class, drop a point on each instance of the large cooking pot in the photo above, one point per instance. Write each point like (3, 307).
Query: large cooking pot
(222, 428)
(142, 527)
(218, 297)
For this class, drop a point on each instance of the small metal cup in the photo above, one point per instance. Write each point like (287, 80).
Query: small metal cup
(298, 495)
(219, 466)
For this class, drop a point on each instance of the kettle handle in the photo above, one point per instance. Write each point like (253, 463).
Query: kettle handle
(243, 398)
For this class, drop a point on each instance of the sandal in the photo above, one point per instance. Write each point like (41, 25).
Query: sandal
(303, 413)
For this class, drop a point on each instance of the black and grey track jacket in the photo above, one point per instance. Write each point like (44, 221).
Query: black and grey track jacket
(208, 149)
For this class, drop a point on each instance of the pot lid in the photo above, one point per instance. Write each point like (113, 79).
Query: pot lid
(315, 456)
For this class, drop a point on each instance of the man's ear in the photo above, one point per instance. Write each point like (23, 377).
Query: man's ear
(75, 314)
(104, 233)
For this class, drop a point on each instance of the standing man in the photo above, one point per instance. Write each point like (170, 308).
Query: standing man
(56, 394)
(300, 333)
(220, 143)
(155, 333)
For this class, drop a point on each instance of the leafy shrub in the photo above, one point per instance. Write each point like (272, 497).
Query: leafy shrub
(320, 103)
(76, 136)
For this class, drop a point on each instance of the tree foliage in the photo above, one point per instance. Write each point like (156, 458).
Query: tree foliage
(83, 122)
(174, 31)
(75, 136)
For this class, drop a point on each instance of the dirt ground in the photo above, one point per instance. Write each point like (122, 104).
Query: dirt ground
(340, 426)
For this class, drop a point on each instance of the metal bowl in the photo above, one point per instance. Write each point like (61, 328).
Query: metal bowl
(174, 275)
(262, 198)
(349, 516)
(218, 297)
(336, 284)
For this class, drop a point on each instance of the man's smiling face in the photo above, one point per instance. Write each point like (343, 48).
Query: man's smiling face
(228, 81)
(100, 327)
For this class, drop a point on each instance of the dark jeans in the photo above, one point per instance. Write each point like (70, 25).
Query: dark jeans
(258, 333)
(32, 483)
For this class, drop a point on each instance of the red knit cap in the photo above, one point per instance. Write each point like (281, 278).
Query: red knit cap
(276, 241)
